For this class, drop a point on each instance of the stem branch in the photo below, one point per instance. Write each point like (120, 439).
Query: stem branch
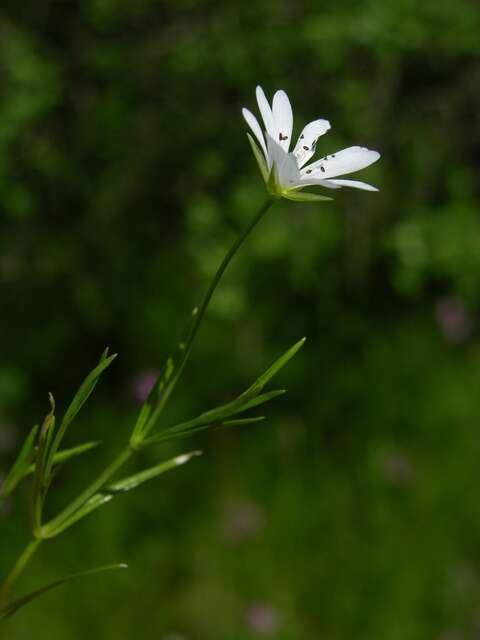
(201, 312)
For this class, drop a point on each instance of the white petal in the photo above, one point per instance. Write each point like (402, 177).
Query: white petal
(341, 162)
(305, 147)
(283, 116)
(285, 163)
(355, 184)
(267, 114)
(256, 129)
(309, 182)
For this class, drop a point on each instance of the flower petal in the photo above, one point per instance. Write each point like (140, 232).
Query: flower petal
(267, 114)
(305, 147)
(356, 184)
(341, 162)
(283, 116)
(310, 182)
(256, 129)
(285, 164)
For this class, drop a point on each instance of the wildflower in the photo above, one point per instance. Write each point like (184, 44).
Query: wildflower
(285, 172)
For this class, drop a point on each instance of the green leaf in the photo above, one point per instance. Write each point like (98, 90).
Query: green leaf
(122, 486)
(261, 399)
(96, 501)
(258, 157)
(82, 395)
(240, 421)
(66, 454)
(10, 609)
(21, 464)
(131, 482)
(41, 476)
(258, 385)
(86, 388)
(304, 196)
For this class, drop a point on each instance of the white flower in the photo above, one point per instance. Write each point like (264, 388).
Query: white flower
(286, 173)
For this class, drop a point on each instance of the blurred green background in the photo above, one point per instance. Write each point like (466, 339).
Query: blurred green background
(124, 176)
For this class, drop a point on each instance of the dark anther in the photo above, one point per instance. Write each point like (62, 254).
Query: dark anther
(282, 137)
(309, 171)
(302, 137)
(322, 168)
(306, 148)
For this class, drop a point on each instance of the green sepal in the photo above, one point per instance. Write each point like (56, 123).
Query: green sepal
(259, 158)
(11, 608)
(273, 186)
(304, 196)
(22, 463)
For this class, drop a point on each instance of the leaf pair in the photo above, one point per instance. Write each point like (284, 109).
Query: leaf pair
(222, 415)
(24, 464)
(121, 486)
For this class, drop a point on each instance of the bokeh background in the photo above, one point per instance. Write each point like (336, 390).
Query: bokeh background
(124, 175)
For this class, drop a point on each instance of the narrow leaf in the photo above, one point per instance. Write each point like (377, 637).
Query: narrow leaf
(13, 607)
(240, 421)
(261, 399)
(82, 395)
(127, 484)
(66, 454)
(86, 388)
(41, 476)
(258, 385)
(21, 464)
(96, 501)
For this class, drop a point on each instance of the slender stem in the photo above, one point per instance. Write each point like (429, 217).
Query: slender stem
(17, 568)
(48, 529)
(202, 309)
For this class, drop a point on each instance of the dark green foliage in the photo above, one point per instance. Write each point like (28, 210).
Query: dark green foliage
(124, 175)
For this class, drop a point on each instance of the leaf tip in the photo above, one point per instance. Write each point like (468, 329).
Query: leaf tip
(51, 400)
(185, 457)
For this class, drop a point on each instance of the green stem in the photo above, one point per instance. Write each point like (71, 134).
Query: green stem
(17, 568)
(201, 312)
(48, 529)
